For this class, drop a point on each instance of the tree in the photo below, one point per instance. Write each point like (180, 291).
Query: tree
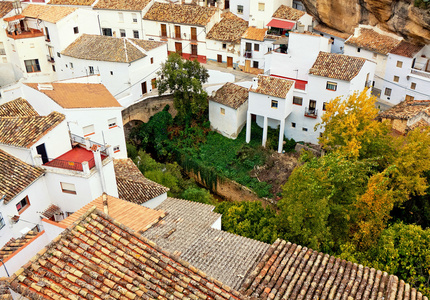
(184, 78)
(350, 127)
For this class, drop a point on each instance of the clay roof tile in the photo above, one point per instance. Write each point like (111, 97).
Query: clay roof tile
(371, 40)
(273, 86)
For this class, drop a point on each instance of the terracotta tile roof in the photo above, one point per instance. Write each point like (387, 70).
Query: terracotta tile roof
(230, 29)
(48, 13)
(15, 176)
(331, 31)
(180, 14)
(106, 48)
(5, 7)
(79, 95)
(288, 13)
(231, 95)
(371, 40)
(225, 256)
(407, 109)
(51, 211)
(406, 49)
(4, 289)
(99, 258)
(273, 86)
(16, 108)
(136, 217)
(184, 223)
(16, 243)
(136, 5)
(337, 66)
(255, 34)
(419, 124)
(132, 185)
(26, 131)
(73, 2)
(289, 271)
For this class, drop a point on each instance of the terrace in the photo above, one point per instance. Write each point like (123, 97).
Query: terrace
(75, 160)
(17, 28)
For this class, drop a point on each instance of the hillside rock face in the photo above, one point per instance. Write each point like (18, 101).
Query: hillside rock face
(398, 16)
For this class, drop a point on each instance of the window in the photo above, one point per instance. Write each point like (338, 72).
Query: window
(387, 92)
(413, 85)
(122, 32)
(396, 78)
(53, 68)
(332, 86)
(304, 129)
(177, 32)
(274, 104)
(256, 47)
(255, 64)
(47, 34)
(134, 17)
(76, 29)
(32, 65)
(222, 110)
(194, 33)
(261, 6)
(22, 205)
(136, 34)
(111, 72)
(152, 60)
(324, 103)
(58, 54)
(248, 47)
(116, 149)
(399, 64)
(88, 130)
(375, 55)
(194, 50)
(163, 30)
(91, 69)
(293, 124)
(112, 123)
(409, 98)
(71, 65)
(297, 100)
(2, 223)
(240, 9)
(107, 31)
(358, 49)
(68, 188)
(121, 17)
(224, 46)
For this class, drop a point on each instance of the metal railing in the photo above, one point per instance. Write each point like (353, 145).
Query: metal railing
(50, 58)
(67, 164)
(311, 112)
(368, 83)
(81, 140)
(248, 54)
(420, 73)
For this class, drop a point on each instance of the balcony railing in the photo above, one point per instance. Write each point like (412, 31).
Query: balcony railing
(420, 73)
(368, 83)
(248, 54)
(81, 140)
(50, 58)
(31, 33)
(311, 112)
(69, 165)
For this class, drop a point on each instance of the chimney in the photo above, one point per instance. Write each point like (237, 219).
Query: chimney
(105, 204)
(254, 83)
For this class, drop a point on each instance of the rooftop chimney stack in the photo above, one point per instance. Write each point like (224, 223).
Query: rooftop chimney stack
(254, 83)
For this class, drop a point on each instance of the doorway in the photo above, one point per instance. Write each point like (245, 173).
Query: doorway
(41, 150)
(219, 58)
(247, 65)
(229, 62)
(144, 88)
(178, 48)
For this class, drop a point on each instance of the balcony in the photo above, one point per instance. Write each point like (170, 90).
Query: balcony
(368, 84)
(50, 58)
(311, 112)
(30, 33)
(248, 54)
(73, 160)
(420, 73)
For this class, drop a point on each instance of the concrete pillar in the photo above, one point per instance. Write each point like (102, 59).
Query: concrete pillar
(38, 160)
(248, 127)
(87, 143)
(264, 132)
(85, 167)
(281, 136)
(99, 166)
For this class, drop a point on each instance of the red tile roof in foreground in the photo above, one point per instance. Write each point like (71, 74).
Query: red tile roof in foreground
(16, 108)
(272, 86)
(371, 40)
(406, 49)
(289, 271)
(99, 258)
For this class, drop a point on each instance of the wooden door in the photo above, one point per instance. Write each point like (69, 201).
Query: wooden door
(219, 58)
(163, 30)
(153, 80)
(178, 48)
(178, 32)
(229, 62)
(144, 89)
(194, 33)
(247, 65)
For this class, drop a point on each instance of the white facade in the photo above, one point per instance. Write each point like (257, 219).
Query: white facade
(224, 50)
(121, 23)
(337, 43)
(240, 8)
(256, 57)
(154, 202)
(261, 11)
(227, 120)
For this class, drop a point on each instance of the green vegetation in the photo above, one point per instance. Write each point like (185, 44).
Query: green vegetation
(424, 4)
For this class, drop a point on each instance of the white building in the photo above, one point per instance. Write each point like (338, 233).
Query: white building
(270, 100)
(407, 74)
(337, 38)
(6, 10)
(127, 67)
(261, 11)
(183, 27)
(240, 8)
(255, 44)
(332, 75)
(223, 41)
(287, 18)
(227, 109)
(373, 44)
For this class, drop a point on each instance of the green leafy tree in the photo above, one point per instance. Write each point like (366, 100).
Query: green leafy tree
(184, 78)
(197, 195)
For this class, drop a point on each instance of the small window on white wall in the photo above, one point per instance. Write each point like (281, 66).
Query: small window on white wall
(116, 149)
(134, 16)
(240, 9)
(121, 17)
(112, 122)
(222, 110)
(261, 6)
(68, 188)
(88, 130)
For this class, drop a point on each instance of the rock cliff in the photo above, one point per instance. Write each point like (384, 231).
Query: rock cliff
(399, 16)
